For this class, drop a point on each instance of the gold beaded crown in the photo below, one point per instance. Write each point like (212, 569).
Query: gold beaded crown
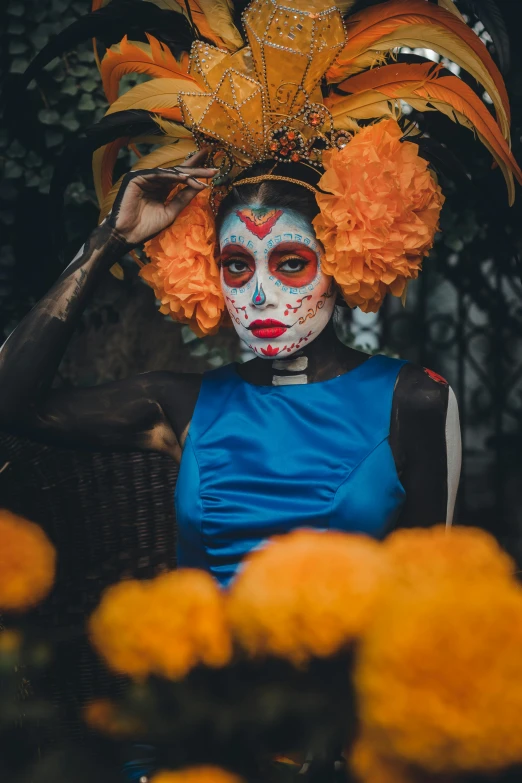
(265, 101)
(300, 80)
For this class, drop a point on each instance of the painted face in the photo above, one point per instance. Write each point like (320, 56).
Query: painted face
(276, 294)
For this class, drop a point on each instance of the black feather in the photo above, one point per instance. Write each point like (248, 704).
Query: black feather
(110, 23)
(444, 162)
(488, 12)
(78, 153)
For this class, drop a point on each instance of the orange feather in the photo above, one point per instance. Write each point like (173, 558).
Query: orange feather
(404, 81)
(154, 59)
(200, 20)
(369, 26)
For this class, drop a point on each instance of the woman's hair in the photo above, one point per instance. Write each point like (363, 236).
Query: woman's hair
(273, 193)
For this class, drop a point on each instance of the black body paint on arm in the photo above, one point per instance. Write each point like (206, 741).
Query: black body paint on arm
(146, 412)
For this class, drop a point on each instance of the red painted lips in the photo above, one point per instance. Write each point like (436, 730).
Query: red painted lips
(267, 330)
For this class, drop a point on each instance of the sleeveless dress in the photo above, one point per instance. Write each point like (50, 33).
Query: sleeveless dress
(263, 460)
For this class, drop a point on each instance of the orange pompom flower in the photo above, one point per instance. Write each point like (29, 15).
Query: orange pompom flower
(27, 563)
(422, 555)
(366, 766)
(438, 677)
(306, 594)
(183, 270)
(203, 774)
(164, 626)
(379, 214)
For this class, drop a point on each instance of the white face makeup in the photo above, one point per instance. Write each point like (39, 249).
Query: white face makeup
(275, 291)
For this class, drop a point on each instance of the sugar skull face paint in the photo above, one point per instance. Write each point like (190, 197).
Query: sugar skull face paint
(275, 291)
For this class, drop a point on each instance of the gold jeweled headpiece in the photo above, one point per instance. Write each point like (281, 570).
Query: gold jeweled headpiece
(264, 101)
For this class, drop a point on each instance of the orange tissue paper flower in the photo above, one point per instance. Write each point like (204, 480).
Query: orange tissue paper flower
(379, 214)
(306, 594)
(183, 270)
(367, 766)
(164, 626)
(27, 563)
(203, 774)
(438, 677)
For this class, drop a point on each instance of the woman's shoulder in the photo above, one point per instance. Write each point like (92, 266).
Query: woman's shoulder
(420, 390)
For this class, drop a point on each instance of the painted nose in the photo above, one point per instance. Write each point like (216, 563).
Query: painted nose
(259, 296)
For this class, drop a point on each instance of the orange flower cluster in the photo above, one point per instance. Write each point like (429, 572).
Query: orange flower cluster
(427, 555)
(183, 270)
(438, 669)
(379, 214)
(27, 563)
(164, 626)
(309, 593)
(203, 774)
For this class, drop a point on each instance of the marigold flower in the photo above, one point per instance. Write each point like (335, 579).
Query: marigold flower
(164, 626)
(203, 774)
(421, 554)
(438, 676)
(183, 270)
(103, 715)
(27, 562)
(305, 594)
(379, 214)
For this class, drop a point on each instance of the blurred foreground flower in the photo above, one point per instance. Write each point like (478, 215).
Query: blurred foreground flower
(305, 594)
(104, 716)
(366, 766)
(422, 555)
(439, 675)
(27, 563)
(164, 626)
(204, 774)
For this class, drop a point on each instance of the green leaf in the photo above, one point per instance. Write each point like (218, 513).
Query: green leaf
(18, 65)
(70, 89)
(12, 170)
(71, 124)
(17, 47)
(15, 150)
(48, 117)
(78, 70)
(32, 159)
(15, 8)
(89, 85)
(86, 103)
(86, 56)
(32, 180)
(39, 39)
(53, 138)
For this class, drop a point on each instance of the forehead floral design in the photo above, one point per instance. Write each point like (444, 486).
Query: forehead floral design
(300, 83)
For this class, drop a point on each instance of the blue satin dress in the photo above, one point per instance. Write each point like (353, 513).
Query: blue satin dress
(263, 460)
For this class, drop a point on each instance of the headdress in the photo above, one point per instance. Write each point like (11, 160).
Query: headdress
(304, 81)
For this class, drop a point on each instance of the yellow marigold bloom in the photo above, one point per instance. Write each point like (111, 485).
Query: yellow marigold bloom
(305, 594)
(102, 715)
(203, 774)
(419, 554)
(366, 766)
(439, 676)
(165, 626)
(27, 563)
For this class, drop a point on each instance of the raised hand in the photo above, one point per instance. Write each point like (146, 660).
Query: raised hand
(140, 212)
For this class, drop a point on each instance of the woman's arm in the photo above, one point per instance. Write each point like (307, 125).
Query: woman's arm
(149, 411)
(426, 444)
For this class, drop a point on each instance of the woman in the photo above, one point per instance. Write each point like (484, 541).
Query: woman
(310, 432)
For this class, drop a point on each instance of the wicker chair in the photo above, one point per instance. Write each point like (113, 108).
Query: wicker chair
(110, 516)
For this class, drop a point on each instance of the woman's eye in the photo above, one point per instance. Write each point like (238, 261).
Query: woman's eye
(236, 267)
(293, 265)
